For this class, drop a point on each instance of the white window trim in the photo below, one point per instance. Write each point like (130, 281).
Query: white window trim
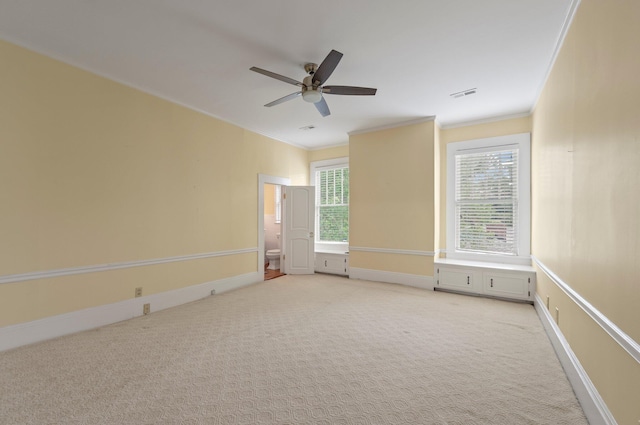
(314, 167)
(523, 143)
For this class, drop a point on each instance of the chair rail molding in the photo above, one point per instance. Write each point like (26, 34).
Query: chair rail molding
(625, 341)
(20, 277)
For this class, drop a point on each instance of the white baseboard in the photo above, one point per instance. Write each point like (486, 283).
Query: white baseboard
(592, 404)
(418, 281)
(13, 336)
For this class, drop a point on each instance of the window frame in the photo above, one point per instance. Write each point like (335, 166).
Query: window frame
(521, 142)
(314, 167)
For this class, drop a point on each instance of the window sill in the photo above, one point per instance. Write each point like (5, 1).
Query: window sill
(332, 247)
(333, 252)
(484, 265)
(523, 260)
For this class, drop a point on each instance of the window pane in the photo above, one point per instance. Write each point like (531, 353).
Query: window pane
(487, 202)
(487, 228)
(334, 223)
(489, 175)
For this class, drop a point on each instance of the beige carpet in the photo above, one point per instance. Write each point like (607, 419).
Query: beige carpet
(299, 350)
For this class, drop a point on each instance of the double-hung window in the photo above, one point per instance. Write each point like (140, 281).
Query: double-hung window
(488, 199)
(331, 181)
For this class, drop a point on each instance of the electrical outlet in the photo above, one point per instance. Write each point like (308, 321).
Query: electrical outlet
(139, 292)
(146, 309)
(213, 292)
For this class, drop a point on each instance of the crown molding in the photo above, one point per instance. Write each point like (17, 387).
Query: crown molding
(571, 13)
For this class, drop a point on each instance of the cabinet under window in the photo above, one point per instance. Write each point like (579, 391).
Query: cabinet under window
(493, 280)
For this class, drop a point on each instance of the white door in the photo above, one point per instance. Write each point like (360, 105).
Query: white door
(298, 239)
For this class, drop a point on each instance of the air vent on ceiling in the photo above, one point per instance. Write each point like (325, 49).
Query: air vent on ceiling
(463, 93)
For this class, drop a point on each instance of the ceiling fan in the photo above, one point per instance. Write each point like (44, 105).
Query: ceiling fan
(312, 87)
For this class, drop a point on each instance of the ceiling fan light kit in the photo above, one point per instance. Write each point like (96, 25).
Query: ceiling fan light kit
(310, 93)
(311, 87)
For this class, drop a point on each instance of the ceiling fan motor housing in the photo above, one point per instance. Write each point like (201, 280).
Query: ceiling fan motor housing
(310, 93)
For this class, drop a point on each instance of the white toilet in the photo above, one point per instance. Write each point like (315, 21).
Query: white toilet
(273, 255)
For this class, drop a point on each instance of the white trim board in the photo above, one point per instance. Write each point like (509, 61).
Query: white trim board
(417, 281)
(14, 336)
(115, 266)
(625, 341)
(392, 251)
(594, 407)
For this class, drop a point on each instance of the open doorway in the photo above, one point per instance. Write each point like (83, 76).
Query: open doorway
(267, 226)
(272, 230)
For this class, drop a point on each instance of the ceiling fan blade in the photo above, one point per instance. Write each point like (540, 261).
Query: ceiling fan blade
(349, 90)
(322, 107)
(284, 99)
(326, 67)
(276, 76)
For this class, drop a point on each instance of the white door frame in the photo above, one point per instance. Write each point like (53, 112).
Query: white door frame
(262, 180)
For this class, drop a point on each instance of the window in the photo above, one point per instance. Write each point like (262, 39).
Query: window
(278, 201)
(488, 199)
(331, 179)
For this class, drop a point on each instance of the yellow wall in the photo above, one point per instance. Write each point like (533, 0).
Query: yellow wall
(269, 199)
(469, 132)
(93, 172)
(329, 153)
(392, 198)
(586, 202)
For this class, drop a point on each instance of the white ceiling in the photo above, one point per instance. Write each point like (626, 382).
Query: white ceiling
(415, 52)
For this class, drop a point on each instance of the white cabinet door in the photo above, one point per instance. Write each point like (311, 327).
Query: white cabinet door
(332, 263)
(458, 279)
(507, 285)
(298, 252)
